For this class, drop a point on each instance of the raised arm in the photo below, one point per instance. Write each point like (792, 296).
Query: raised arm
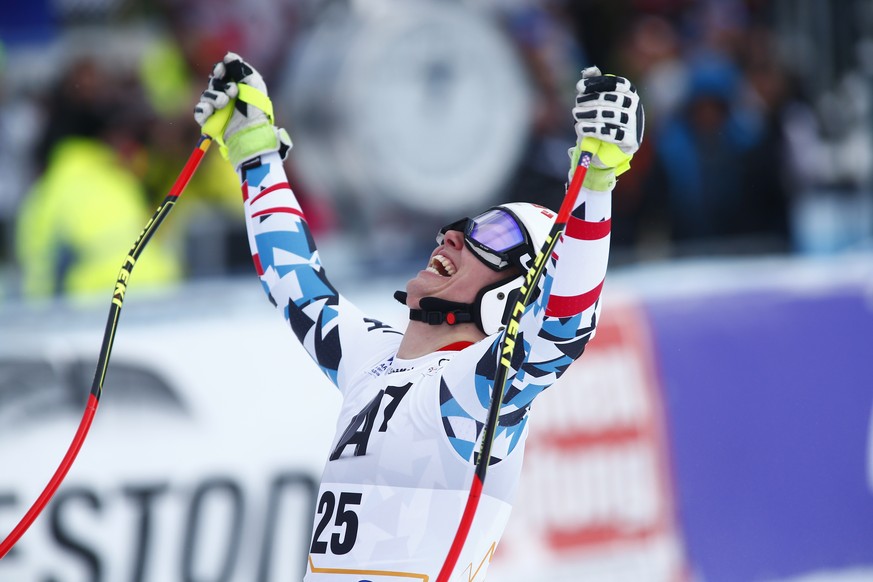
(282, 246)
(564, 317)
(556, 327)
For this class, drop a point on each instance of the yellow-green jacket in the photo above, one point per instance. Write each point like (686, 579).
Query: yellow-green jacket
(78, 222)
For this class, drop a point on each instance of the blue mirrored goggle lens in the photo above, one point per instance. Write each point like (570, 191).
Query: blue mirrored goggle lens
(492, 236)
(495, 230)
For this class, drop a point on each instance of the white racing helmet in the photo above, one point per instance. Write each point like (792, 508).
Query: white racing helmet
(495, 302)
(505, 238)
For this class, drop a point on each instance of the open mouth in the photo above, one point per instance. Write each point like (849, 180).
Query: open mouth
(441, 266)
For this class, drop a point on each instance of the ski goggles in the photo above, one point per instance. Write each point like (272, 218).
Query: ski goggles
(495, 237)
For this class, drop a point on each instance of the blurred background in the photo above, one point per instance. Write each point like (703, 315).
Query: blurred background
(741, 270)
(406, 114)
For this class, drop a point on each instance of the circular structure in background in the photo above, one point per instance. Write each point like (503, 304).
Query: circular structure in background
(412, 103)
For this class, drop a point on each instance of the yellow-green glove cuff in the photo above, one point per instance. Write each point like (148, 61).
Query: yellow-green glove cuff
(254, 141)
(599, 180)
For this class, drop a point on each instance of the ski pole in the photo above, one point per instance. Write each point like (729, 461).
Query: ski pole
(588, 147)
(214, 126)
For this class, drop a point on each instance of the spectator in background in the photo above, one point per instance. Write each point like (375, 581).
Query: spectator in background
(181, 51)
(195, 34)
(553, 59)
(651, 49)
(88, 206)
(707, 168)
(770, 167)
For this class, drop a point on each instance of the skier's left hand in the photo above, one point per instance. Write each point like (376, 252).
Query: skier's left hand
(608, 109)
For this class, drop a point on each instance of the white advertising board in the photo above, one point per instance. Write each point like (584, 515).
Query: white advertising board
(206, 451)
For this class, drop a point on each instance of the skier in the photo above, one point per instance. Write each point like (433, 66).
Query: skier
(414, 402)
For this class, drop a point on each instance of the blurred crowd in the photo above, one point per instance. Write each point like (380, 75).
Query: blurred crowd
(757, 141)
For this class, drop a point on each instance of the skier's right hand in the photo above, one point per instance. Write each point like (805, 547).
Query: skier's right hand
(249, 132)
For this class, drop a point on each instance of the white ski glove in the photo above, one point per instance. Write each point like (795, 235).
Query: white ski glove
(249, 131)
(609, 110)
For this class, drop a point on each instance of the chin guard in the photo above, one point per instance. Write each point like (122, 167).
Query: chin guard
(435, 311)
(489, 311)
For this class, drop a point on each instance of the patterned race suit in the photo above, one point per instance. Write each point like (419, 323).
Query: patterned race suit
(402, 460)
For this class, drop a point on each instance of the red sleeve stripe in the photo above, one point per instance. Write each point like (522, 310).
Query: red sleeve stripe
(563, 306)
(245, 190)
(258, 267)
(273, 188)
(279, 210)
(583, 230)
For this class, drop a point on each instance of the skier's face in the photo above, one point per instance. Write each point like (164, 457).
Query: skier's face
(453, 273)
